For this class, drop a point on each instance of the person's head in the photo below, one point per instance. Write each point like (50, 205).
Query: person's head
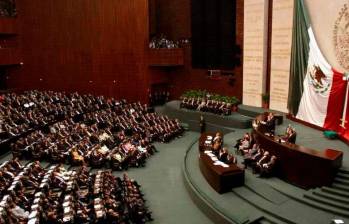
(273, 158)
(290, 130)
(270, 115)
(266, 153)
(247, 135)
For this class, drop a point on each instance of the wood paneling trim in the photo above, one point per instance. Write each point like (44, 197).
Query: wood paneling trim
(8, 26)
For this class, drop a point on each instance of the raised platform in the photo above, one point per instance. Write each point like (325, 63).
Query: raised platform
(214, 122)
(264, 200)
(271, 200)
(251, 111)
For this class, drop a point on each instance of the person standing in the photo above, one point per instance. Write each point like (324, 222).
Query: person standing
(202, 124)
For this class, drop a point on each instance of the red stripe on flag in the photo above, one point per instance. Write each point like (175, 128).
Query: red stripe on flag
(335, 106)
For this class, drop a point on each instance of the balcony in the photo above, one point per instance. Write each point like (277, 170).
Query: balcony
(166, 57)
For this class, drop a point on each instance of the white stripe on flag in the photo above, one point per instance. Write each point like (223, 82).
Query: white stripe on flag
(314, 102)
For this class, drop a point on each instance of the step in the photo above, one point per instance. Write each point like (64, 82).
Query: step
(333, 197)
(326, 208)
(262, 204)
(343, 175)
(343, 170)
(341, 186)
(262, 221)
(265, 219)
(338, 192)
(335, 204)
(265, 191)
(341, 181)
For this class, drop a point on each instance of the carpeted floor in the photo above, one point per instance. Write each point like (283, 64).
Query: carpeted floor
(163, 185)
(265, 199)
(168, 199)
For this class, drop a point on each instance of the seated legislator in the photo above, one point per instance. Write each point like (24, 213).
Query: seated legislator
(290, 135)
(217, 143)
(76, 157)
(267, 167)
(258, 165)
(252, 151)
(226, 157)
(243, 144)
(253, 158)
(223, 155)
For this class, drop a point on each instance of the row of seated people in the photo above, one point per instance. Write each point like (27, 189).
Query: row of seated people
(100, 138)
(34, 109)
(269, 124)
(163, 42)
(55, 195)
(206, 105)
(150, 125)
(8, 8)
(11, 171)
(246, 142)
(261, 161)
(84, 144)
(224, 156)
(221, 152)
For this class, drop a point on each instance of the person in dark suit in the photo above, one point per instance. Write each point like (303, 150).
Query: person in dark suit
(223, 155)
(290, 135)
(258, 165)
(202, 124)
(270, 123)
(217, 143)
(268, 167)
(253, 158)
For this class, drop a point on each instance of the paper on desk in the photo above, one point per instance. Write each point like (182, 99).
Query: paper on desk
(210, 154)
(219, 163)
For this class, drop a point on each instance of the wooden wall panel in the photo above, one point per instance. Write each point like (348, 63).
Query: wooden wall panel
(10, 56)
(84, 45)
(8, 25)
(174, 20)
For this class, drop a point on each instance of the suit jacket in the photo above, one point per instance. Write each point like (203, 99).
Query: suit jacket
(292, 138)
(270, 125)
(223, 157)
(264, 159)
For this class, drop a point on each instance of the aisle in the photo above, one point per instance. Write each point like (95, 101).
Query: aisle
(163, 186)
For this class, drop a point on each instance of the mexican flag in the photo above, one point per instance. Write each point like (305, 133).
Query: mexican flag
(317, 92)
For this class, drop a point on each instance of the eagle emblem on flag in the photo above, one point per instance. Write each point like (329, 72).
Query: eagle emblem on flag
(318, 79)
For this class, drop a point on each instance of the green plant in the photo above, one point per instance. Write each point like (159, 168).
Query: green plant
(265, 97)
(212, 96)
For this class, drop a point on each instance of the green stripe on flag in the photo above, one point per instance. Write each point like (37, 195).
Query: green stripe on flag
(299, 56)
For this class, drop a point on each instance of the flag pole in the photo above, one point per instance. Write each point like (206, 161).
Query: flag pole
(344, 115)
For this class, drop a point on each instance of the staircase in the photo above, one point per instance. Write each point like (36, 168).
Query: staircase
(334, 199)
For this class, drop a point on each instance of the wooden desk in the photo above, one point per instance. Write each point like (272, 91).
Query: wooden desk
(298, 165)
(222, 179)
